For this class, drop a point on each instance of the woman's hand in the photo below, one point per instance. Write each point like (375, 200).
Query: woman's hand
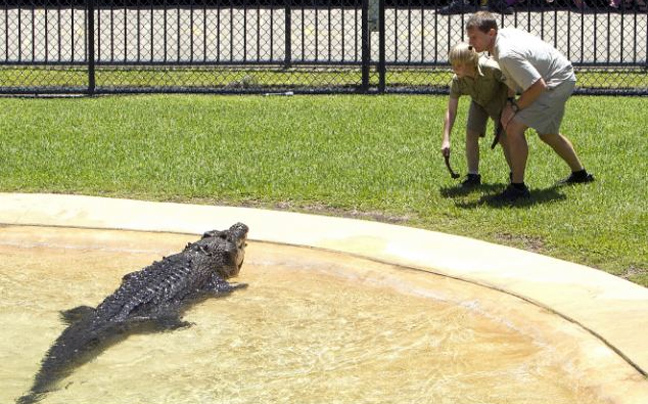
(445, 148)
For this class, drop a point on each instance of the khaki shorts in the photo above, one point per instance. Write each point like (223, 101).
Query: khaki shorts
(478, 118)
(546, 114)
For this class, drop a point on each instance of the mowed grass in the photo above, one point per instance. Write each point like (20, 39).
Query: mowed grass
(274, 79)
(372, 157)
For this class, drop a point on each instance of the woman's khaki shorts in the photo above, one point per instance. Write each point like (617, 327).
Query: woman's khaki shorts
(478, 118)
(546, 113)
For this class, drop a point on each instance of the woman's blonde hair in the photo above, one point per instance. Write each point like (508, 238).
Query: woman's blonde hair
(463, 54)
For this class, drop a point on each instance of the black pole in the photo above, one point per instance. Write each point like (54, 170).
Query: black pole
(90, 10)
(381, 44)
(366, 47)
(288, 37)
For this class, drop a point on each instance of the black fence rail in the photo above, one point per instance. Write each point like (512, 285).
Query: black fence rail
(303, 46)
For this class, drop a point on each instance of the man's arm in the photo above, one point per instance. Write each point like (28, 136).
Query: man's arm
(527, 98)
(532, 93)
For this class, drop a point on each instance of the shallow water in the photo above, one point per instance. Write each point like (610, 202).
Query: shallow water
(312, 327)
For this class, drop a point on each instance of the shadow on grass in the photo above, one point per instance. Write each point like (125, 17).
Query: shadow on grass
(538, 196)
(458, 190)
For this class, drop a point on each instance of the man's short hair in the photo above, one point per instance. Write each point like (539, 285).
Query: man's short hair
(483, 21)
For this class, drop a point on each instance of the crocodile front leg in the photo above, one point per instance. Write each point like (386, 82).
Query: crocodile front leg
(220, 287)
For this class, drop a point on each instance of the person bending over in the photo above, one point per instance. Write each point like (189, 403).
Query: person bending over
(545, 80)
(479, 77)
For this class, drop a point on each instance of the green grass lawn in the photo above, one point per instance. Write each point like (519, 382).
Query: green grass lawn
(372, 157)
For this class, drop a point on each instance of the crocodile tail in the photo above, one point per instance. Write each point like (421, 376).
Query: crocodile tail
(45, 382)
(72, 348)
(30, 398)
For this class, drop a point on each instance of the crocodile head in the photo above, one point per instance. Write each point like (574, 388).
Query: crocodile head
(238, 236)
(231, 242)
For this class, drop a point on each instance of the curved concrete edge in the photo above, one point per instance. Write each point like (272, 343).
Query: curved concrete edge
(609, 307)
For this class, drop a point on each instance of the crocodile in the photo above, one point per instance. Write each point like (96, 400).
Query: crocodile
(150, 300)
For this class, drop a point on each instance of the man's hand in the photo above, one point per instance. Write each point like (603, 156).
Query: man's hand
(507, 115)
(527, 98)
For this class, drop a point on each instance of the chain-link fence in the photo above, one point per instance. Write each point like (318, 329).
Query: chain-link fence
(267, 46)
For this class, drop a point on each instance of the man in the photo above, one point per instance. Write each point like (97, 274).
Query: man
(545, 80)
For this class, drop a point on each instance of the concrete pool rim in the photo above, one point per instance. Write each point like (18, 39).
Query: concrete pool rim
(611, 308)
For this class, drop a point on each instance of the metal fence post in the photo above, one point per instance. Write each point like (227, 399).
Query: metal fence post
(90, 37)
(288, 35)
(381, 45)
(366, 47)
